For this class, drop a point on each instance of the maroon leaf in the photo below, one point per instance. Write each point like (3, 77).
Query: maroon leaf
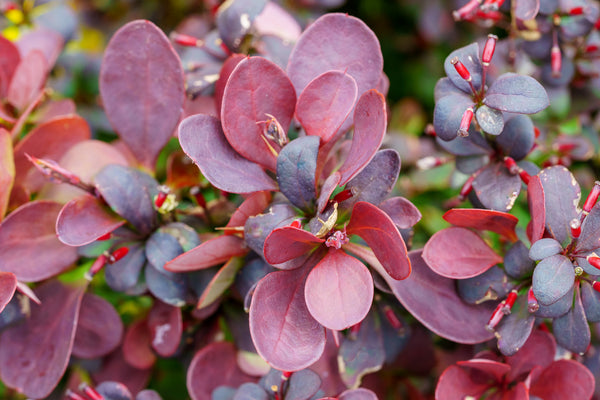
(165, 324)
(85, 219)
(28, 80)
(226, 70)
(288, 242)
(357, 394)
(572, 330)
(488, 220)
(496, 188)
(564, 379)
(327, 190)
(256, 89)
(214, 251)
(537, 208)
(8, 63)
(213, 366)
(253, 205)
(283, 330)
(459, 253)
(378, 230)
(495, 369)
(29, 247)
(514, 329)
(561, 197)
(7, 167)
(355, 50)
(370, 123)
(456, 383)
(539, 349)
(137, 345)
(34, 355)
(144, 110)
(202, 139)
(297, 170)
(99, 329)
(339, 291)
(115, 368)
(8, 284)
(404, 213)
(325, 103)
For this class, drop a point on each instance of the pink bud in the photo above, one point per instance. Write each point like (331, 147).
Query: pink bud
(575, 226)
(461, 69)
(555, 61)
(590, 201)
(465, 123)
(488, 49)
(511, 165)
(532, 303)
(496, 317)
(467, 10)
(118, 254)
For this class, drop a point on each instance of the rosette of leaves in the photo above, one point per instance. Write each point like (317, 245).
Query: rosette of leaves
(501, 129)
(530, 373)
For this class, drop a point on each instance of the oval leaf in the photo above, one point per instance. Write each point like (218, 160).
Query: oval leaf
(166, 326)
(404, 213)
(8, 285)
(537, 208)
(489, 220)
(564, 379)
(448, 113)
(552, 278)
(516, 93)
(28, 79)
(572, 330)
(296, 171)
(561, 197)
(469, 56)
(543, 248)
(213, 252)
(496, 188)
(137, 342)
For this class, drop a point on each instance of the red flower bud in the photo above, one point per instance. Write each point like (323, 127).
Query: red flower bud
(465, 123)
(286, 374)
(70, 395)
(596, 286)
(590, 201)
(90, 392)
(525, 177)
(296, 224)
(575, 226)
(185, 40)
(532, 303)
(392, 318)
(510, 302)
(118, 254)
(496, 317)
(576, 11)
(96, 267)
(594, 260)
(555, 61)
(511, 165)
(461, 69)
(488, 49)
(467, 10)
(467, 187)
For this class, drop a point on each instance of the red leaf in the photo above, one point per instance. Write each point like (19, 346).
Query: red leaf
(283, 330)
(459, 253)
(325, 103)
(339, 291)
(29, 247)
(213, 366)
(214, 251)
(8, 284)
(166, 326)
(48, 41)
(115, 368)
(226, 70)
(220, 282)
(564, 379)
(370, 123)
(99, 329)
(28, 80)
(85, 219)
(539, 349)
(377, 229)
(7, 167)
(404, 213)
(255, 88)
(488, 220)
(137, 350)
(141, 84)
(495, 369)
(537, 208)
(253, 205)
(34, 354)
(8, 63)
(456, 383)
(288, 242)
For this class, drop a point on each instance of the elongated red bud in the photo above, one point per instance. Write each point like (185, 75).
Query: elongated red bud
(185, 40)
(90, 392)
(495, 318)
(524, 175)
(466, 188)
(532, 303)
(511, 165)
(118, 254)
(286, 374)
(465, 123)
(461, 69)
(104, 237)
(592, 48)
(594, 260)
(430, 130)
(343, 195)
(555, 61)
(467, 10)
(590, 201)
(509, 302)
(492, 5)
(354, 329)
(96, 266)
(596, 286)
(597, 24)
(392, 318)
(576, 11)
(71, 395)
(575, 226)
(429, 162)
(488, 49)
(296, 224)
(197, 193)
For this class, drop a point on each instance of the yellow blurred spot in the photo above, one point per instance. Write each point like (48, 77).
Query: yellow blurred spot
(274, 388)
(11, 33)
(90, 41)
(15, 16)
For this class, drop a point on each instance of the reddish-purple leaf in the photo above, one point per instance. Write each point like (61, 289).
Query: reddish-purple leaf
(496, 188)
(141, 84)
(148, 395)
(539, 349)
(28, 80)
(493, 368)
(226, 70)
(288, 242)
(213, 366)
(339, 291)
(516, 93)
(85, 219)
(370, 123)
(459, 253)
(404, 213)
(220, 282)
(561, 198)
(214, 251)
(325, 103)
(283, 330)
(537, 208)
(564, 379)
(165, 325)
(253, 205)
(8, 63)
(202, 139)
(469, 57)
(48, 41)
(456, 383)
(115, 368)
(29, 247)
(34, 354)
(55, 108)
(572, 330)
(353, 48)
(8, 284)
(327, 190)
(488, 220)
(99, 329)
(447, 115)
(589, 240)
(137, 345)
(377, 229)
(256, 89)
(357, 394)
(7, 166)
(113, 391)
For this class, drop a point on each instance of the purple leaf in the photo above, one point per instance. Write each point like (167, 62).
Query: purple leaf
(234, 20)
(448, 113)
(459, 253)
(48, 41)
(41, 346)
(404, 213)
(220, 282)
(552, 278)
(357, 394)
(214, 251)
(303, 385)
(518, 136)
(536, 201)
(8, 285)
(564, 379)
(167, 286)
(514, 329)
(124, 274)
(488, 220)
(516, 93)
(162, 247)
(325, 103)
(370, 123)
(517, 263)
(591, 302)
(213, 366)
(469, 56)
(28, 80)
(424, 291)
(283, 330)
(572, 330)
(249, 391)
(496, 188)
(296, 171)
(474, 144)
(256, 90)
(137, 350)
(539, 349)
(9, 62)
(202, 139)
(561, 197)
(29, 247)
(129, 193)
(544, 248)
(113, 391)
(253, 205)
(491, 285)
(557, 309)
(85, 219)
(99, 329)
(339, 291)
(257, 228)
(165, 325)
(355, 50)
(144, 110)
(287, 243)
(115, 368)
(377, 229)
(589, 239)
(526, 9)
(457, 383)
(148, 395)
(490, 120)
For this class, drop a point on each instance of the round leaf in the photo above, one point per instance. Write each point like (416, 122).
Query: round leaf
(516, 93)
(552, 278)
